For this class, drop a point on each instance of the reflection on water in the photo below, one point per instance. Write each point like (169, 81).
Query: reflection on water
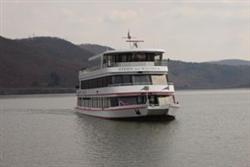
(212, 128)
(122, 142)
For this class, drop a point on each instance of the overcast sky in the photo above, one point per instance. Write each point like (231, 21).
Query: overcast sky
(187, 30)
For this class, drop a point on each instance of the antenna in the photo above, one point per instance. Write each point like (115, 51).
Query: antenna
(132, 40)
(128, 36)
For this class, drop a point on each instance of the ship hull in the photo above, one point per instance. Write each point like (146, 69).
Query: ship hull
(125, 113)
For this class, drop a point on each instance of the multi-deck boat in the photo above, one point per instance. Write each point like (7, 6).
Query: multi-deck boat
(126, 83)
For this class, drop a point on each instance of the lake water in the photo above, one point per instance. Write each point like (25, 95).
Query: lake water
(212, 128)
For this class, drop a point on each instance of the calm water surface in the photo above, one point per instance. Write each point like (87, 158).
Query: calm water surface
(212, 128)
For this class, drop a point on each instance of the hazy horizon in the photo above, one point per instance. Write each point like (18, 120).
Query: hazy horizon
(188, 30)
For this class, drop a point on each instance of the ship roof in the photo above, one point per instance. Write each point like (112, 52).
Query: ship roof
(127, 51)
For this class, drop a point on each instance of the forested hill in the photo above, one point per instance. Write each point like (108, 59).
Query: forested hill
(232, 62)
(209, 76)
(40, 62)
(94, 48)
(48, 62)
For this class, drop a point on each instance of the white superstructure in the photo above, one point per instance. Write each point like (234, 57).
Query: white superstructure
(126, 83)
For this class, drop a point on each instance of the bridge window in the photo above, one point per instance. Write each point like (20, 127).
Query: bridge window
(109, 59)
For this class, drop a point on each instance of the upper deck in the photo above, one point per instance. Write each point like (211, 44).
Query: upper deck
(128, 58)
(118, 53)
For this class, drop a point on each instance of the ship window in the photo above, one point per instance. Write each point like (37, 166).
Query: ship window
(94, 102)
(158, 57)
(124, 80)
(140, 57)
(141, 100)
(99, 82)
(86, 84)
(106, 102)
(142, 79)
(129, 57)
(117, 79)
(104, 60)
(94, 83)
(104, 82)
(109, 80)
(113, 101)
(99, 102)
(86, 102)
(113, 58)
(153, 100)
(83, 102)
(124, 58)
(89, 103)
(123, 101)
(149, 57)
(127, 79)
(118, 58)
(131, 100)
(82, 85)
(109, 60)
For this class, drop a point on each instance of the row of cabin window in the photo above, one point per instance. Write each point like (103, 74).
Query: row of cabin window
(105, 102)
(131, 57)
(94, 102)
(116, 80)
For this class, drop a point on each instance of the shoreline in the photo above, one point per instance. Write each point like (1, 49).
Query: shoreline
(34, 91)
(27, 91)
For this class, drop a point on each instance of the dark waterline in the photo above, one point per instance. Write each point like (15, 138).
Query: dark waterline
(212, 128)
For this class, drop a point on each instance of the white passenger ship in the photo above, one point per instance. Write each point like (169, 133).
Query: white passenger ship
(126, 83)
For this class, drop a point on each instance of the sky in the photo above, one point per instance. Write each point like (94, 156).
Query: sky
(189, 30)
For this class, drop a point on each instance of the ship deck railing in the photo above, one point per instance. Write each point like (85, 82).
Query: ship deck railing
(143, 63)
(130, 84)
(125, 64)
(138, 83)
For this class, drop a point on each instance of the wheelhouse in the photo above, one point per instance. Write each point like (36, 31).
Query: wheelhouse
(116, 58)
(150, 57)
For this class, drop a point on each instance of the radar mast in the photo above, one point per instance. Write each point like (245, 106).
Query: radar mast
(133, 42)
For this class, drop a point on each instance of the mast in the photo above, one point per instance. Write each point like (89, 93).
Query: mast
(133, 42)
